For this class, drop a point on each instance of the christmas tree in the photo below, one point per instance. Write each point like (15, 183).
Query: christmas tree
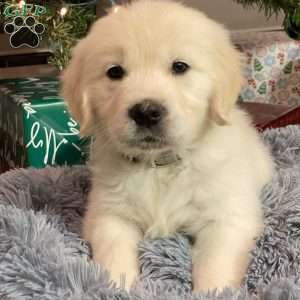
(290, 9)
(64, 22)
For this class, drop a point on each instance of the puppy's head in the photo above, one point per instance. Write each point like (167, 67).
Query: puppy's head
(151, 76)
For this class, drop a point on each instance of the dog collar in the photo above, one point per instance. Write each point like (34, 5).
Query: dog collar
(164, 159)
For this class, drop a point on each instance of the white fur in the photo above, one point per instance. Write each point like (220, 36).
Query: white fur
(213, 194)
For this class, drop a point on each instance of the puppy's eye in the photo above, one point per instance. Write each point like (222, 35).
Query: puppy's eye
(179, 67)
(115, 72)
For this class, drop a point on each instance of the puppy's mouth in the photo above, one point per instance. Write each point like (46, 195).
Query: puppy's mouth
(148, 142)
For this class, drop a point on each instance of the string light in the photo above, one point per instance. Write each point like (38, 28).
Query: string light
(63, 11)
(21, 3)
(115, 9)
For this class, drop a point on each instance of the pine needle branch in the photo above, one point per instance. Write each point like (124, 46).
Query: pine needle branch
(271, 7)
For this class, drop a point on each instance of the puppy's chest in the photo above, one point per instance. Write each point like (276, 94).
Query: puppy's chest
(163, 201)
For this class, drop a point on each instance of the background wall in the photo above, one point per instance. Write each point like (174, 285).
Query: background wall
(234, 15)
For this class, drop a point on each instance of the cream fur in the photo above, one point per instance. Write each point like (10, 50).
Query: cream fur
(213, 194)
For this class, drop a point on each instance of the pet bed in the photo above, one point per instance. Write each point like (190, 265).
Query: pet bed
(43, 257)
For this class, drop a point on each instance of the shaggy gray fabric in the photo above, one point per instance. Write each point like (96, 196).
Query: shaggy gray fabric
(43, 257)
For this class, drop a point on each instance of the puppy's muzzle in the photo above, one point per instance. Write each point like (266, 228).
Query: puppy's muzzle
(147, 113)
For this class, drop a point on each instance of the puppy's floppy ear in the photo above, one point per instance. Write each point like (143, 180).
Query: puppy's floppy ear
(228, 82)
(73, 90)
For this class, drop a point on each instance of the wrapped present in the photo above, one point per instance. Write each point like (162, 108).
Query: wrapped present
(272, 67)
(35, 126)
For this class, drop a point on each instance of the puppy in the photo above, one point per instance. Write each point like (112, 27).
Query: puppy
(156, 84)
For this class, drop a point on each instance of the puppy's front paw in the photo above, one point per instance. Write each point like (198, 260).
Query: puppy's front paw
(216, 276)
(211, 284)
(121, 263)
(114, 246)
(123, 276)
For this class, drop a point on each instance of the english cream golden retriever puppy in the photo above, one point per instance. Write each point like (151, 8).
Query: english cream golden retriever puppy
(156, 83)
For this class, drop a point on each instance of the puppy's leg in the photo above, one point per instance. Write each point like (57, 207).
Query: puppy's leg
(221, 255)
(114, 246)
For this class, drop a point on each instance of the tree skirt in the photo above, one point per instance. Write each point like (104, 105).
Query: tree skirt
(43, 257)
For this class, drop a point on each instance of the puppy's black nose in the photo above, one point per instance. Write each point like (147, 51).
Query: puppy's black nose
(147, 113)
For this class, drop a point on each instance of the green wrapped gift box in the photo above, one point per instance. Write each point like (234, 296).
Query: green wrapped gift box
(35, 126)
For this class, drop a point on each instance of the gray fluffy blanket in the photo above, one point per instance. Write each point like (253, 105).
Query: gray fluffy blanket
(43, 257)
